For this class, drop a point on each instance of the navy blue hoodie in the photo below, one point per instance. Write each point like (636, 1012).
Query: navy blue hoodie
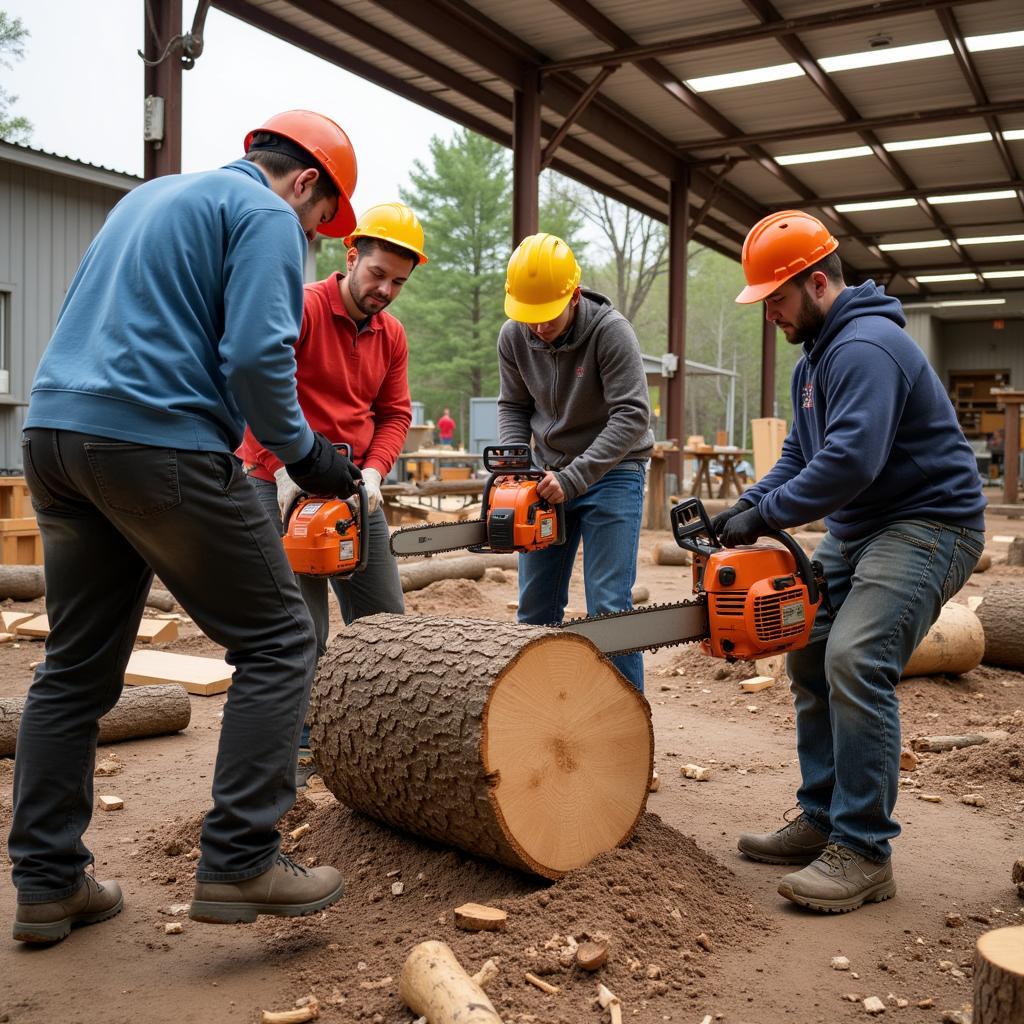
(875, 438)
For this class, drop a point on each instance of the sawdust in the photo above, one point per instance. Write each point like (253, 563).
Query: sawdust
(995, 770)
(449, 597)
(651, 899)
(692, 663)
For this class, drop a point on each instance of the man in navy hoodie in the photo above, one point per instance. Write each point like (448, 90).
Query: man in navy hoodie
(178, 328)
(876, 450)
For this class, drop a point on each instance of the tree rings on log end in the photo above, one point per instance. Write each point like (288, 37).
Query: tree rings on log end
(568, 746)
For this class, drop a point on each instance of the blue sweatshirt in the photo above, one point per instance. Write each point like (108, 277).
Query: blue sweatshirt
(179, 325)
(875, 438)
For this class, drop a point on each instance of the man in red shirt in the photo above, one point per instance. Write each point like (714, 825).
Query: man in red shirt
(351, 360)
(446, 430)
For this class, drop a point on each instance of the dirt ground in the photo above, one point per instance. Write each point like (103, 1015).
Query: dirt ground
(693, 929)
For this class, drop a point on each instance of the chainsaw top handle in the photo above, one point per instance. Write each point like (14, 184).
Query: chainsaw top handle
(500, 459)
(690, 519)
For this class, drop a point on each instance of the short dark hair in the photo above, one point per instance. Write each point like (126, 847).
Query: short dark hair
(280, 165)
(831, 266)
(366, 246)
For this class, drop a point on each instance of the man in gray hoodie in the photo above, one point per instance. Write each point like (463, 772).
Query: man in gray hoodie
(572, 379)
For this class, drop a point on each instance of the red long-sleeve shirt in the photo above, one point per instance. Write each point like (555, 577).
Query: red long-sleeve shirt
(353, 386)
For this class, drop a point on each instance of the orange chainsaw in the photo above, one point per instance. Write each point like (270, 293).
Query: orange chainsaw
(325, 535)
(750, 602)
(513, 516)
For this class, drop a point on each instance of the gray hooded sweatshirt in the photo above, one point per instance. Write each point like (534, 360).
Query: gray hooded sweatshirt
(585, 403)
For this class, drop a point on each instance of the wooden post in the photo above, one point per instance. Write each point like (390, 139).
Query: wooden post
(769, 335)
(678, 238)
(162, 23)
(525, 157)
(1011, 400)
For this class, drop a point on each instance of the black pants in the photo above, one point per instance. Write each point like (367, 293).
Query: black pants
(110, 514)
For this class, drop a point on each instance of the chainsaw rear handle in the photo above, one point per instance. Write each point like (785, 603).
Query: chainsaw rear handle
(690, 519)
(363, 522)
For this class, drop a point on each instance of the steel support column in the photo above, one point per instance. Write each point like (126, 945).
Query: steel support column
(678, 225)
(769, 335)
(161, 24)
(525, 158)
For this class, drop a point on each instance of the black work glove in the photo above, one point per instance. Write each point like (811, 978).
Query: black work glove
(722, 518)
(324, 471)
(743, 529)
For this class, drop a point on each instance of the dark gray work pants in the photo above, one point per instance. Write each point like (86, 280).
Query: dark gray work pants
(110, 514)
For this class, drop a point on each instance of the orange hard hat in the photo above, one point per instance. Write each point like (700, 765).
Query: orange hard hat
(542, 277)
(391, 222)
(330, 146)
(778, 247)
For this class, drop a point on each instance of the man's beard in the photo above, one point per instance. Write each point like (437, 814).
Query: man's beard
(360, 299)
(809, 322)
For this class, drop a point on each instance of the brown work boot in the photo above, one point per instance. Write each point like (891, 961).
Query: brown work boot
(797, 842)
(839, 881)
(91, 903)
(286, 890)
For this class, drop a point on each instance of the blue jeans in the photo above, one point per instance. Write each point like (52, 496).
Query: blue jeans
(607, 519)
(888, 589)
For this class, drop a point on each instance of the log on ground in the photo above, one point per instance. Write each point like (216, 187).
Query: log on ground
(21, 582)
(141, 711)
(417, 575)
(433, 983)
(955, 644)
(520, 744)
(1001, 614)
(999, 976)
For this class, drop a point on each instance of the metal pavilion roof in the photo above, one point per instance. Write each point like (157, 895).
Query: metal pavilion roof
(624, 81)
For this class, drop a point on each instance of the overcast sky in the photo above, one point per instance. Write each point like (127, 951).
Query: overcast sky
(80, 85)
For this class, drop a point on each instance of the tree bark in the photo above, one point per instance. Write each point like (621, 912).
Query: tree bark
(955, 644)
(999, 976)
(516, 743)
(141, 711)
(1001, 614)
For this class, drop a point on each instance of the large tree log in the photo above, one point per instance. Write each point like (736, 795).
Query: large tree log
(1001, 614)
(141, 711)
(516, 743)
(955, 644)
(433, 983)
(999, 976)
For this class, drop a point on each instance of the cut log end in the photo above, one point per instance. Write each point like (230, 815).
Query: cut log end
(568, 750)
(999, 976)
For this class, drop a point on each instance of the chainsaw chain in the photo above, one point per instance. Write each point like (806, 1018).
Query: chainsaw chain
(639, 611)
(420, 529)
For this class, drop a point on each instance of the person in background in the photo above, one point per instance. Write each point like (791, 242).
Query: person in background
(446, 430)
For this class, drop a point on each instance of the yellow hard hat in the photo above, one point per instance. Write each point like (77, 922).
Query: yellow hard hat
(542, 276)
(391, 222)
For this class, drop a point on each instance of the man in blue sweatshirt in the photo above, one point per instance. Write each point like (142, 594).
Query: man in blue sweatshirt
(876, 450)
(177, 329)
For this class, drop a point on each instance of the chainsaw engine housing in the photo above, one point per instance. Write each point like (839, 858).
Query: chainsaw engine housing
(324, 539)
(518, 519)
(757, 603)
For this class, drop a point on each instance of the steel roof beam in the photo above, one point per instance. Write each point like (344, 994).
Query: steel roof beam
(913, 193)
(747, 33)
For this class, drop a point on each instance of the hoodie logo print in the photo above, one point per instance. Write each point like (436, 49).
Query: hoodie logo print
(579, 372)
(807, 396)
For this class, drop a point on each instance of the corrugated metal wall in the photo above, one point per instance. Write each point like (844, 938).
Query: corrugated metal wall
(46, 223)
(977, 345)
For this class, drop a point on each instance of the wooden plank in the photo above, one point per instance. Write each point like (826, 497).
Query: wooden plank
(204, 676)
(37, 627)
(11, 619)
(158, 631)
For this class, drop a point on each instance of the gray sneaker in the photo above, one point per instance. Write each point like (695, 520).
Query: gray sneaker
(797, 842)
(839, 881)
(286, 890)
(91, 903)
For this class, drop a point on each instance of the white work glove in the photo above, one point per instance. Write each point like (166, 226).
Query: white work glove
(371, 481)
(287, 491)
